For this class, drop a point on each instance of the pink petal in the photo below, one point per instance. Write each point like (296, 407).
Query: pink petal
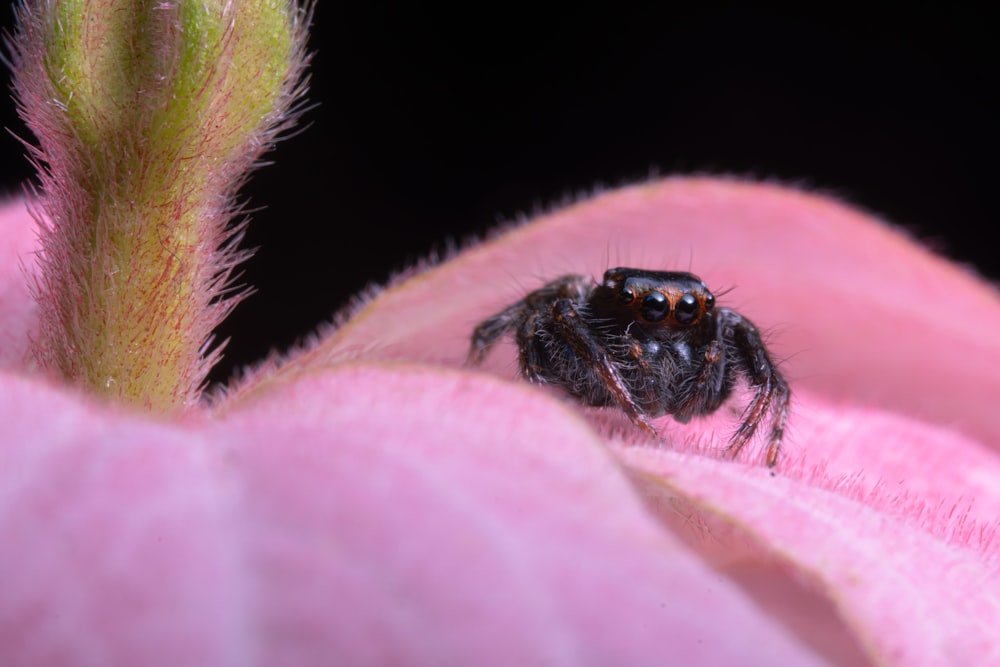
(861, 310)
(369, 514)
(405, 517)
(119, 542)
(380, 512)
(913, 575)
(862, 313)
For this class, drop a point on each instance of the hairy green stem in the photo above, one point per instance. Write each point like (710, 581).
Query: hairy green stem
(148, 116)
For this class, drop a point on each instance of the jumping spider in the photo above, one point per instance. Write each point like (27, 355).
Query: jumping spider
(649, 342)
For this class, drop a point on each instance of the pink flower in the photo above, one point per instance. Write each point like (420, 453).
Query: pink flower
(372, 501)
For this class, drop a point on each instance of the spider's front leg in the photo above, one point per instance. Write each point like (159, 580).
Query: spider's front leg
(771, 392)
(582, 343)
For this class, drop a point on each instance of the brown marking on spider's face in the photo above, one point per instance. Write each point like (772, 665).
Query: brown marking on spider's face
(671, 299)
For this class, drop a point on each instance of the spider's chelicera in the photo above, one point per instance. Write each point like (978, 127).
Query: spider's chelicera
(649, 342)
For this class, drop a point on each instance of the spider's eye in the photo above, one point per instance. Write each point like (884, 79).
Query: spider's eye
(709, 301)
(626, 296)
(687, 309)
(655, 307)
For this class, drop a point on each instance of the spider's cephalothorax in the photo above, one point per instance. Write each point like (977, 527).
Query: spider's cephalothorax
(649, 342)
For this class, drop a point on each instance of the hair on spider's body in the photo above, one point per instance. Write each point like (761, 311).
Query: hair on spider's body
(649, 342)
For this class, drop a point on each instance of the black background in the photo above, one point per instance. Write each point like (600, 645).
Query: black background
(434, 124)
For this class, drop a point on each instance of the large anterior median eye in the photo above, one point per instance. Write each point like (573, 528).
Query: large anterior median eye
(687, 309)
(655, 307)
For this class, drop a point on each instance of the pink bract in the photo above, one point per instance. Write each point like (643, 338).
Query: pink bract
(372, 501)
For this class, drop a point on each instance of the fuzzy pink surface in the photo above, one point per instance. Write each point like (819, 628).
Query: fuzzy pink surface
(18, 313)
(371, 501)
